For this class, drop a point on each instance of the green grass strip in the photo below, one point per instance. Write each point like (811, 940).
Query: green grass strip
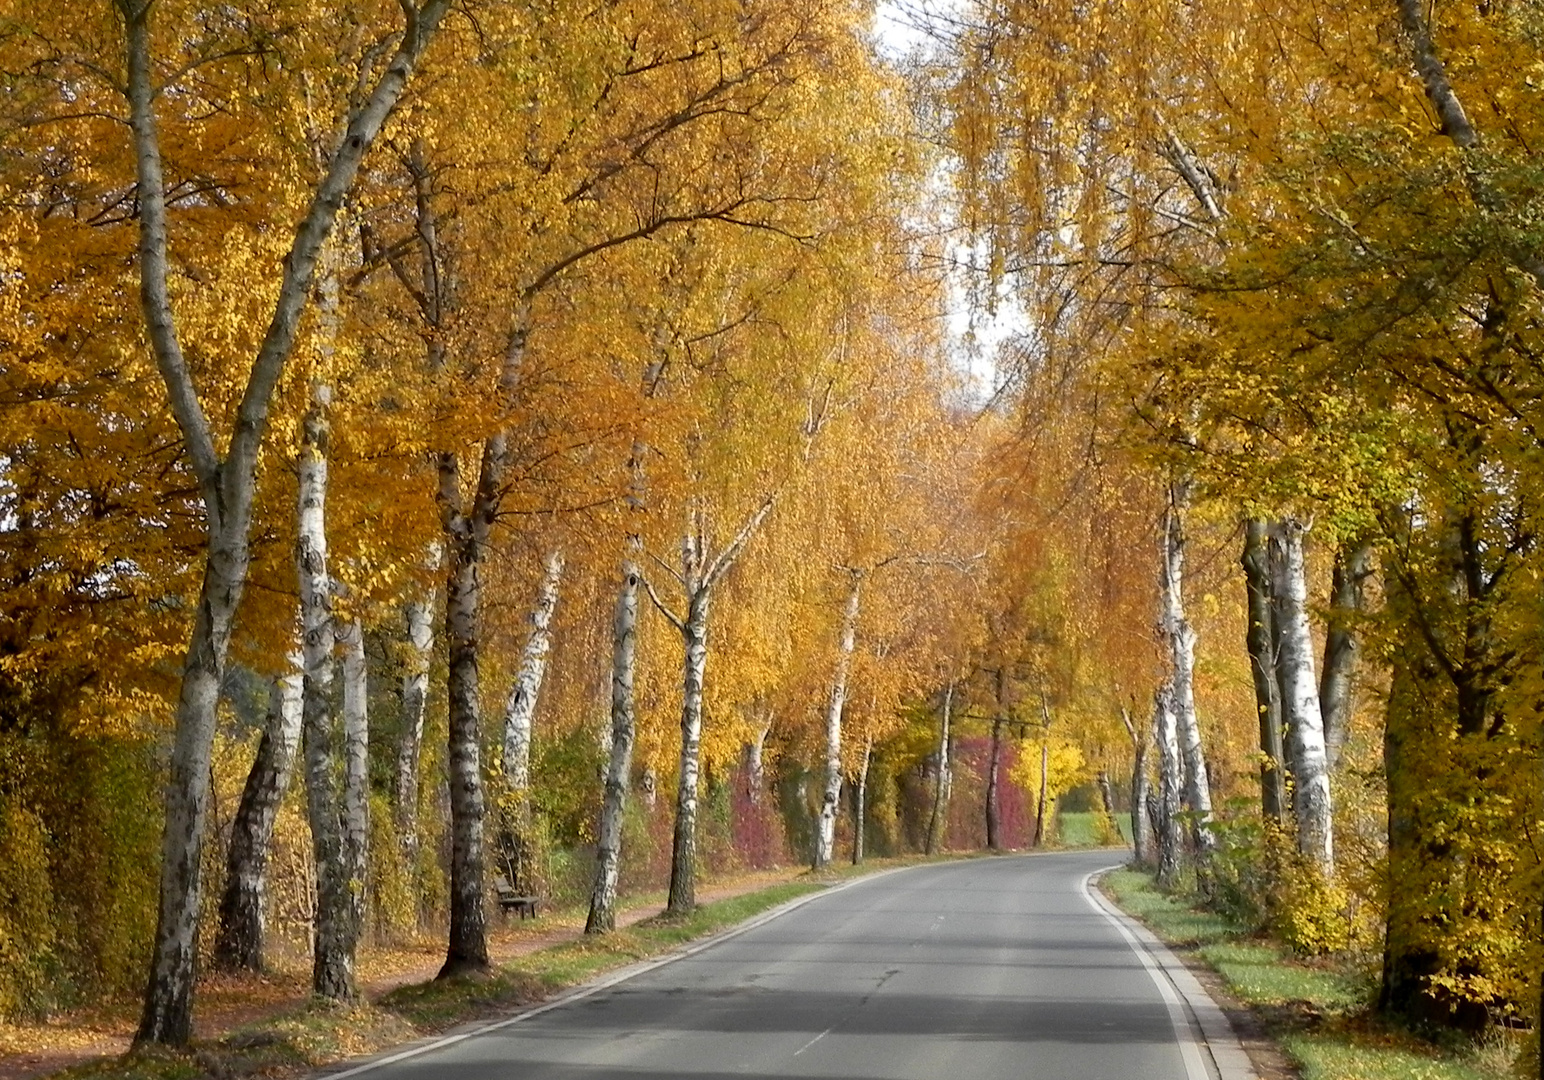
(1318, 1013)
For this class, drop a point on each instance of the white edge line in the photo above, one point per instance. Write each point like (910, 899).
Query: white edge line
(605, 983)
(1190, 1051)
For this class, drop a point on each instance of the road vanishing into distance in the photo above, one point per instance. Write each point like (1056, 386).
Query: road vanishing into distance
(978, 970)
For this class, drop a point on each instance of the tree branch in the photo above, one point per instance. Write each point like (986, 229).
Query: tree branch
(727, 557)
(675, 620)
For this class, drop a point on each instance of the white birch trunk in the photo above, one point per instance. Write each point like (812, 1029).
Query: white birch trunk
(332, 962)
(228, 486)
(698, 578)
(356, 771)
(683, 863)
(521, 706)
(467, 946)
(939, 816)
(1261, 639)
(1181, 640)
(755, 768)
(1170, 785)
(830, 800)
(1300, 707)
(608, 852)
(243, 923)
(419, 618)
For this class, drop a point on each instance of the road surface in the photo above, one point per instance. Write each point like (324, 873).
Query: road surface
(978, 970)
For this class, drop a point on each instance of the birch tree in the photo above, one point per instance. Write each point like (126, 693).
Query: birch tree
(1181, 640)
(831, 793)
(243, 919)
(226, 481)
(1300, 706)
(698, 575)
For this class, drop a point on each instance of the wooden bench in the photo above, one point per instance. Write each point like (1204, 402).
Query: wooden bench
(510, 900)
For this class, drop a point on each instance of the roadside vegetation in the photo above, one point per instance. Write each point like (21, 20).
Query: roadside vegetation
(1319, 1009)
(462, 455)
(302, 1037)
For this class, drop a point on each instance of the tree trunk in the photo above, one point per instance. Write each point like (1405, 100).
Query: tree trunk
(227, 486)
(1107, 801)
(860, 802)
(415, 699)
(1300, 706)
(1141, 837)
(683, 859)
(356, 771)
(521, 707)
(333, 939)
(1261, 640)
(1170, 781)
(940, 812)
(519, 712)
(608, 850)
(467, 948)
(244, 905)
(1352, 568)
(755, 769)
(993, 768)
(825, 836)
(1181, 640)
(1045, 767)
(698, 578)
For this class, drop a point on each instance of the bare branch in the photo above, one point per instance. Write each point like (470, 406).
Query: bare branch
(727, 557)
(675, 620)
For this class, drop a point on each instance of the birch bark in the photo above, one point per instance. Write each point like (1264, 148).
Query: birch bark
(521, 706)
(1170, 783)
(419, 619)
(755, 768)
(1181, 640)
(608, 854)
(467, 535)
(831, 795)
(243, 921)
(227, 485)
(332, 963)
(1300, 701)
(1341, 649)
(1261, 641)
(698, 577)
(683, 860)
(519, 712)
(356, 772)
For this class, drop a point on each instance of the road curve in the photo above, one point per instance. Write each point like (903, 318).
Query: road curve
(978, 970)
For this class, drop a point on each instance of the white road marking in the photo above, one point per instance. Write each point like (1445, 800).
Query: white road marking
(812, 1042)
(1189, 1051)
(604, 984)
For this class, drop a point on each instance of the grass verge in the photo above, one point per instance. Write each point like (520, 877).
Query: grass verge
(318, 1033)
(1087, 828)
(1317, 1012)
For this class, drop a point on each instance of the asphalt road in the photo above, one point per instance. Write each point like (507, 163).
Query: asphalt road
(979, 970)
